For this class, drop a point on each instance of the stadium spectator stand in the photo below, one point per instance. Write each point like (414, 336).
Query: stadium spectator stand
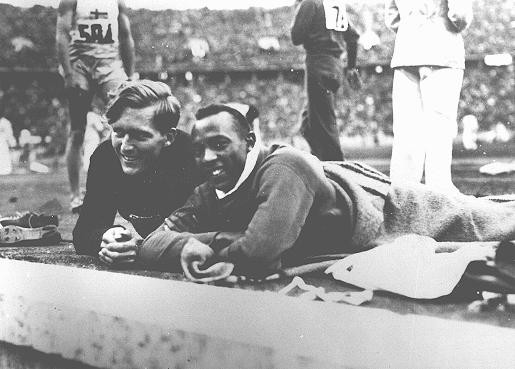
(235, 67)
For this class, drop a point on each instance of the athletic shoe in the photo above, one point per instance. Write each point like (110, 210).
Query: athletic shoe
(30, 220)
(12, 235)
(29, 229)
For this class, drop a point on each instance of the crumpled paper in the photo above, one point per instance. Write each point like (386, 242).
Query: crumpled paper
(313, 293)
(408, 266)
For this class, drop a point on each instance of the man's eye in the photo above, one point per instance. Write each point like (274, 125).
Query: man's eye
(139, 137)
(220, 146)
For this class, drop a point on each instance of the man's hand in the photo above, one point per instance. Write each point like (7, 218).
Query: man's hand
(354, 79)
(224, 239)
(196, 254)
(68, 81)
(118, 246)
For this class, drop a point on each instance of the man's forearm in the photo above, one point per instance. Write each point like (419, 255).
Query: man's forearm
(87, 242)
(352, 53)
(276, 224)
(127, 55)
(62, 45)
(162, 248)
(301, 23)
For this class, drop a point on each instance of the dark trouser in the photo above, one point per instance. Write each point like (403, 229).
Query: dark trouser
(319, 126)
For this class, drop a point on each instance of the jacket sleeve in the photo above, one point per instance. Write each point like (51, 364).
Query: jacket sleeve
(302, 22)
(460, 14)
(98, 210)
(284, 202)
(162, 248)
(351, 41)
(392, 16)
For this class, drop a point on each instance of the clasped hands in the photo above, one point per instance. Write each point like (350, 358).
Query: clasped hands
(119, 246)
(198, 260)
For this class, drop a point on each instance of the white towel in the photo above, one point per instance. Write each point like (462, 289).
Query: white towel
(408, 266)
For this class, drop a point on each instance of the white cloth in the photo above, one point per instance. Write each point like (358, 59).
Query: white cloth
(250, 163)
(408, 266)
(312, 293)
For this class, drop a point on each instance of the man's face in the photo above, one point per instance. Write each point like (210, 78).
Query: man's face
(136, 141)
(220, 151)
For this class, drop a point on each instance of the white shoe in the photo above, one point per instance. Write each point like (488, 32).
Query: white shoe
(14, 235)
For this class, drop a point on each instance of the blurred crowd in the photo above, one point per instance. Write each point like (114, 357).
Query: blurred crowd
(163, 38)
(164, 43)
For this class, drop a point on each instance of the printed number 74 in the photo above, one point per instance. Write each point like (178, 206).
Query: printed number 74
(335, 15)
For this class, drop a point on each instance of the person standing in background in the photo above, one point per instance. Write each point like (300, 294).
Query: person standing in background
(7, 141)
(323, 28)
(428, 62)
(96, 53)
(96, 132)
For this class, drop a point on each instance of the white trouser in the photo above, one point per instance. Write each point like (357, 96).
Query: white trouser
(6, 166)
(425, 102)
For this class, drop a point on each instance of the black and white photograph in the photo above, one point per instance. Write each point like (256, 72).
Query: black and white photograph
(257, 184)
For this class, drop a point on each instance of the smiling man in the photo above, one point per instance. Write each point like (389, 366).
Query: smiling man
(145, 172)
(266, 208)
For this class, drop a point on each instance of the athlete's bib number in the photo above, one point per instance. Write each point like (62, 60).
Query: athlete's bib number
(336, 15)
(95, 33)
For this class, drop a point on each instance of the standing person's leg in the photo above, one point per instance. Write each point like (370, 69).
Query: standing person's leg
(109, 75)
(408, 149)
(79, 102)
(319, 125)
(419, 209)
(440, 88)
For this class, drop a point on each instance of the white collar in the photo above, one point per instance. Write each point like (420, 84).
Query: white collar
(250, 164)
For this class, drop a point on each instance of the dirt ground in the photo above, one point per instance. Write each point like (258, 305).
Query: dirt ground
(22, 192)
(28, 191)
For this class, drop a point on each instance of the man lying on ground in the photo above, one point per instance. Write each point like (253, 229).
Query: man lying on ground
(145, 172)
(266, 208)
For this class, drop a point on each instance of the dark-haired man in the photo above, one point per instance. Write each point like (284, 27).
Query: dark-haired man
(145, 172)
(264, 208)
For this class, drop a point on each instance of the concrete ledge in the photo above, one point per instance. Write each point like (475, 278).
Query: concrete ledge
(123, 321)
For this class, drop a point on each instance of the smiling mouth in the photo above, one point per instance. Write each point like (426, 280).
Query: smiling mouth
(216, 172)
(129, 159)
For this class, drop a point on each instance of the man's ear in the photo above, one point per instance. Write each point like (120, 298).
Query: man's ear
(170, 136)
(251, 140)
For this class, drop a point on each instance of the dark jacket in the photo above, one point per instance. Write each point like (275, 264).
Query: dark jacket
(285, 211)
(309, 29)
(143, 202)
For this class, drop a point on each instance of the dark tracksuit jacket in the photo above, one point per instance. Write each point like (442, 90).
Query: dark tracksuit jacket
(281, 212)
(293, 206)
(145, 202)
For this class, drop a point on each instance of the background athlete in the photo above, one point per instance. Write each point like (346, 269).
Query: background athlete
(96, 53)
